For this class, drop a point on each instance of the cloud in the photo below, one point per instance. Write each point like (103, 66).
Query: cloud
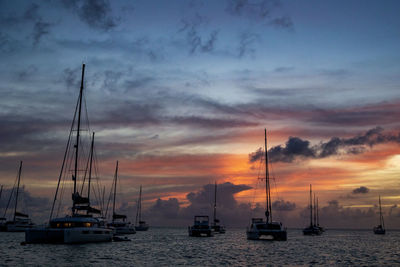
(95, 13)
(246, 43)
(281, 205)
(229, 211)
(361, 190)
(256, 155)
(297, 148)
(197, 40)
(259, 10)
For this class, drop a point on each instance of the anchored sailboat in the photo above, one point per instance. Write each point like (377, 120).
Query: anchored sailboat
(119, 223)
(2, 219)
(380, 229)
(20, 221)
(80, 226)
(259, 227)
(140, 225)
(313, 228)
(216, 226)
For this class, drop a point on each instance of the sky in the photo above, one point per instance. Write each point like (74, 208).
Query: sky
(180, 92)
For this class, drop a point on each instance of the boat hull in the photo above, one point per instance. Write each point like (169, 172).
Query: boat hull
(277, 235)
(200, 232)
(68, 236)
(141, 228)
(312, 231)
(125, 231)
(379, 231)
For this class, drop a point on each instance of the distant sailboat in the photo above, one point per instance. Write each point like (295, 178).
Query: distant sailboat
(380, 229)
(140, 225)
(312, 229)
(216, 226)
(119, 221)
(2, 219)
(268, 228)
(81, 226)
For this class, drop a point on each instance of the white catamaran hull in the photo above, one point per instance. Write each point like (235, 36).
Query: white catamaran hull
(125, 231)
(68, 236)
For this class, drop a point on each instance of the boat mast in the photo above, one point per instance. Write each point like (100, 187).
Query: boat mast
(380, 213)
(317, 213)
(268, 212)
(215, 203)
(311, 207)
(90, 168)
(1, 191)
(115, 189)
(140, 204)
(16, 197)
(74, 177)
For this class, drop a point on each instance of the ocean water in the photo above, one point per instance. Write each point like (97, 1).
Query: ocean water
(173, 247)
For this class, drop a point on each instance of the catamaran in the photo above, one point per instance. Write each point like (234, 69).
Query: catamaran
(201, 226)
(216, 226)
(81, 226)
(119, 221)
(140, 225)
(380, 229)
(20, 221)
(313, 228)
(267, 228)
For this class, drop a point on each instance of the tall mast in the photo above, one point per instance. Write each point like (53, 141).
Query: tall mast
(74, 177)
(90, 167)
(268, 212)
(1, 191)
(315, 211)
(215, 202)
(311, 211)
(140, 204)
(16, 197)
(380, 214)
(115, 189)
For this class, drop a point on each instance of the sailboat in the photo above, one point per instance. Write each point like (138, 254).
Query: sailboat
(81, 226)
(268, 228)
(380, 229)
(140, 225)
(119, 223)
(312, 229)
(20, 221)
(216, 226)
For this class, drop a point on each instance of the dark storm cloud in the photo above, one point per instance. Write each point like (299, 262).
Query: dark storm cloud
(361, 190)
(95, 13)
(281, 205)
(229, 211)
(256, 155)
(297, 148)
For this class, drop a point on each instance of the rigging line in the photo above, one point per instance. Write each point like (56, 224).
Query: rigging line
(65, 154)
(65, 174)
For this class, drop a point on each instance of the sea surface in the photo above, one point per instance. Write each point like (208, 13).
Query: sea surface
(173, 247)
